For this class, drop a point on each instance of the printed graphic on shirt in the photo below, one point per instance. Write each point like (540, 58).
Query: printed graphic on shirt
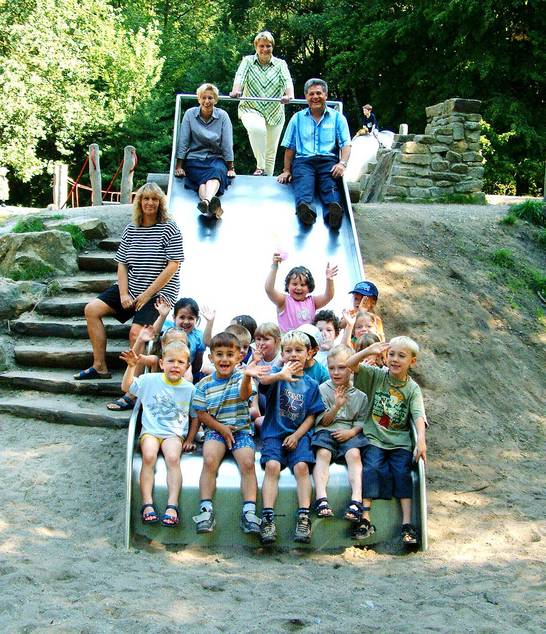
(290, 404)
(390, 409)
(303, 314)
(166, 411)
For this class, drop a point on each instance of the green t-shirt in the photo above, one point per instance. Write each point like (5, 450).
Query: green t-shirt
(391, 403)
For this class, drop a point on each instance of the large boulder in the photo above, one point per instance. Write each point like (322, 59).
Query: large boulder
(18, 297)
(37, 255)
(92, 228)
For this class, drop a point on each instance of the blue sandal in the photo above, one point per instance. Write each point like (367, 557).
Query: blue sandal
(168, 520)
(91, 374)
(151, 517)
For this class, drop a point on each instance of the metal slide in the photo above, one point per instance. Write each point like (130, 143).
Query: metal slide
(225, 266)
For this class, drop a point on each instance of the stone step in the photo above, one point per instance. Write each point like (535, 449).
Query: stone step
(59, 381)
(33, 326)
(64, 354)
(109, 244)
(86, 282)
(64, 305)
(64, 409)
(97, 261)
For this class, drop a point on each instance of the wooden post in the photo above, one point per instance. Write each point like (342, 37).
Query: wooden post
(60, 185)
(403, 129)
(94, 174)
(129, 161)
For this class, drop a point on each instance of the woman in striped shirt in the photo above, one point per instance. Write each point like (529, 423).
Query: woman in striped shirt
(263, 75)
(149, 257)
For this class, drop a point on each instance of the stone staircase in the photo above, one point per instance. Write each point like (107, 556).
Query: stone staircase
(51, 344)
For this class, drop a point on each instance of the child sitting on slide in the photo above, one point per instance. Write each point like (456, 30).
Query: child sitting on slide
(296, 306)
(166, 410)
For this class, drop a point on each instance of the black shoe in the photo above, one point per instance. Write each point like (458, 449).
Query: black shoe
(303, 529)
(215, 207)
(335, 215)
(409, 534)
(268, 532)
(305, 214)
(363, 530)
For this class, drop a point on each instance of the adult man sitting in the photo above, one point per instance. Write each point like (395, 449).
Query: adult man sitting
(313, 139)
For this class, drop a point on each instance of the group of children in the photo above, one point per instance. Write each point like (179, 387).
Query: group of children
(315, 388)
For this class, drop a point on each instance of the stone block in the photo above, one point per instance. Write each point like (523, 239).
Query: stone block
(409, 170)
(458, 131)
(18, 297)
(473, 117)
(411, 181)
(92, 228)
(462, 105)
(440, 192)
(445, 185)
(392, 190)
(414, 148)
(435, 111)
(445, 130)
(459, 146)
(430, 129)
(459, 168)
(438, 148)
(467, 187)
(403, 138)
(446, 176)
(475, 172)
(472, 157)
(417, 159)
(472, 125)
(472, 135)
(453, 157)
(427, 139)
(419, 192)
(437, 165)
(442, 138)
(473, 146)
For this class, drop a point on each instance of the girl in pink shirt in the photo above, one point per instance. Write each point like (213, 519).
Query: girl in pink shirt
(296, 306)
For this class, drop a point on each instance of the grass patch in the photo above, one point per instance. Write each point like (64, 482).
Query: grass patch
(29, 225)
(534, 211)
(517, 276)
(503, 258)
(34, 271)
(78, 239)
(509, 219)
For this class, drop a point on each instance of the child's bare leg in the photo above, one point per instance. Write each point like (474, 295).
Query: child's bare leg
(270, 484)
(149, 446)
(354, 468)
(303, 484)
(367, 503)
(249, 483)
(213, 452)
(405, 503)
(172, 448)
(321, 472)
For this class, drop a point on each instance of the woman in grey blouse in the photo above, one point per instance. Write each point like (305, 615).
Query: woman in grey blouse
(204, 152)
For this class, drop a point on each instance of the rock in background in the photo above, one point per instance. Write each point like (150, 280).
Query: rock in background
(18, 297)
(92, 228)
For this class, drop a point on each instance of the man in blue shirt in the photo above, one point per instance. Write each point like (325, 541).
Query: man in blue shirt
(313, 140)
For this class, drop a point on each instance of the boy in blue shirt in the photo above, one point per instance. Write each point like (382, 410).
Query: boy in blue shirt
(292, 402)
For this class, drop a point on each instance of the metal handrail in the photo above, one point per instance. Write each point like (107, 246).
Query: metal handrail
(333, 104)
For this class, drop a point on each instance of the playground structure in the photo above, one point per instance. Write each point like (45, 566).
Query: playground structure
(226, 264)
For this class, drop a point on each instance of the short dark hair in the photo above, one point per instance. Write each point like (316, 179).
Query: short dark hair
(314, 81)
(187, 302)
(248, 322)
(298, 271)
(328, 315)
(225, 339)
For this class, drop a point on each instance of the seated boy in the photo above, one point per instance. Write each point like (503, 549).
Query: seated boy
(292, 402)
(221, 403)
(338, 433)
(166, 408)
(394, 398)
(328, 325)
(312, 368)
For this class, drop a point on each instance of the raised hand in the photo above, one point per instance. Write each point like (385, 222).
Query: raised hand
(208, 313)
(340, 395)
(331, 271)
(146, 334)
(349, 314)
(162, 306)
(277, 257)
(130, 357)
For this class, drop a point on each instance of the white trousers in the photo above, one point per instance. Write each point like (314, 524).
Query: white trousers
(263, 138)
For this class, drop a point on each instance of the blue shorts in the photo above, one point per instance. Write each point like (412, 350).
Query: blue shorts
(242, 439)
(272, 449)
(386, 473)
(323, 439)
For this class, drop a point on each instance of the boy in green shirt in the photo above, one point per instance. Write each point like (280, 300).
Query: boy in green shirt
(394, 398)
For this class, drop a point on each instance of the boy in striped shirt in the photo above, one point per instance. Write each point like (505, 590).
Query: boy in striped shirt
(221, 403)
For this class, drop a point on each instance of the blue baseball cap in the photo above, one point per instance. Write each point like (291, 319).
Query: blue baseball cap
(366, 288)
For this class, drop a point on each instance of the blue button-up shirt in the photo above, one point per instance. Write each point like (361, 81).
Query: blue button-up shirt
(309, 138)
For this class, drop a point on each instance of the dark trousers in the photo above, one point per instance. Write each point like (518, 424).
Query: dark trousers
(386, 473)
(312, 173)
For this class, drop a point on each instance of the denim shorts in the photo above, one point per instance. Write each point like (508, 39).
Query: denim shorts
(241, 438)
(272, 449)
(324, 439)
(386, 473)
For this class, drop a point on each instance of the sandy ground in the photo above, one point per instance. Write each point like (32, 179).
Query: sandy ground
(63, 567)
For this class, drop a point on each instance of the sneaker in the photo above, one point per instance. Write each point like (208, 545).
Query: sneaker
(305, 214)
(250, 523)
(205, 522)
(408, 534)
(215, 207)
(303, 529)
(363, 530)
(335, 215)
(268, 532)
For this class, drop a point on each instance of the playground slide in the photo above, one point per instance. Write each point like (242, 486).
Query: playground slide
(363, 151)
(225, 266)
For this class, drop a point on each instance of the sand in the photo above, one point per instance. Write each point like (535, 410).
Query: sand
(63, 567)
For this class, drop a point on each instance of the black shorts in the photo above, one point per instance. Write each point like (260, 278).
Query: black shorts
(145, 316)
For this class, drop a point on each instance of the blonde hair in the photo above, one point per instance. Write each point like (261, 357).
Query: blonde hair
(176, 346)
(155, 190)
(268, 329)
(172, 335)
(243, 334)
(339, 350)
(366, 340)
(264, 35)
(406, 342)
(295, 336)
(204, 87)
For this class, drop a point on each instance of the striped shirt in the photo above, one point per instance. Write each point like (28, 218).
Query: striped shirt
(146, 251)
(263, 80)
(221, 399)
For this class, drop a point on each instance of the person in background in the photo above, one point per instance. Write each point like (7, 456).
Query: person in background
(263, 75)
(369, 122)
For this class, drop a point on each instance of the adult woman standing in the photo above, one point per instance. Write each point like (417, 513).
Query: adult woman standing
(204, 153)
(149, 257)
(263, 75)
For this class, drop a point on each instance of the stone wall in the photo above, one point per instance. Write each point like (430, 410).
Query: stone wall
(443, 163)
